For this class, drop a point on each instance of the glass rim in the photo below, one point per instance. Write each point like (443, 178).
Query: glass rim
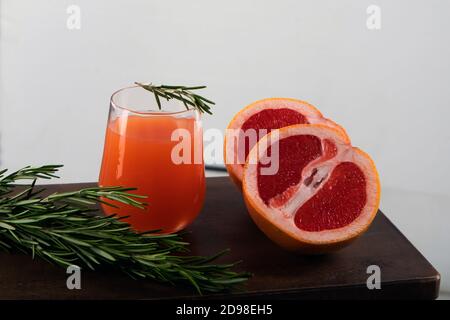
(150, 112)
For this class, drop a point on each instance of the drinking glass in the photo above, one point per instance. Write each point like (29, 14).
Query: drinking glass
(160, 152)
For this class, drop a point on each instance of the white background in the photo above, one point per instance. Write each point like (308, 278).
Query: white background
(389, 88)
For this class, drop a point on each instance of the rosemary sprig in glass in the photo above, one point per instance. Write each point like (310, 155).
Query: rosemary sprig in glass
(181, 93)
(61, 229)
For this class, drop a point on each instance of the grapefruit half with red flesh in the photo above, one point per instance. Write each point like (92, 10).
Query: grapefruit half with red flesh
(260, 118)
(323, 194)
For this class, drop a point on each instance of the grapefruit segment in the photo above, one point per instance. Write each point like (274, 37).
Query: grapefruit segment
(324, 194)
(259, 118)
(337, 203)
(290, 165)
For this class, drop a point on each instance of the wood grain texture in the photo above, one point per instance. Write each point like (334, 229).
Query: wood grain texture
(224, 223)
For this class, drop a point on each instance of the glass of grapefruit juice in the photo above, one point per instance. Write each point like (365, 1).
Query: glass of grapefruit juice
(160, 152)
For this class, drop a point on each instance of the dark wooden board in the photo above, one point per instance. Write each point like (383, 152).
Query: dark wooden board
(224, 223)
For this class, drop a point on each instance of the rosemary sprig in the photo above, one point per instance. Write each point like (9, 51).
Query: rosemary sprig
(26, 173)
(61, 229)
(181, 93)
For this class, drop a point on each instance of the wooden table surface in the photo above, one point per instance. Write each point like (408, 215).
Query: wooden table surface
(224, 223)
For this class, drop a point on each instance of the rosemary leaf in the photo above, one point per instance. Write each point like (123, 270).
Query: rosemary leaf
(181, 93)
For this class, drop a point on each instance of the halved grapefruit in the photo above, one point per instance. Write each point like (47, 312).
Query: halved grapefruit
(262, 117)
(324, 193)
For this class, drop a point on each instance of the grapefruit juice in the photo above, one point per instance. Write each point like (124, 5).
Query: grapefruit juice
(139, 152)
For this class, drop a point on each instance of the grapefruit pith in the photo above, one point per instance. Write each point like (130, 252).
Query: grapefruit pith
(323, 194)
(260, 118)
